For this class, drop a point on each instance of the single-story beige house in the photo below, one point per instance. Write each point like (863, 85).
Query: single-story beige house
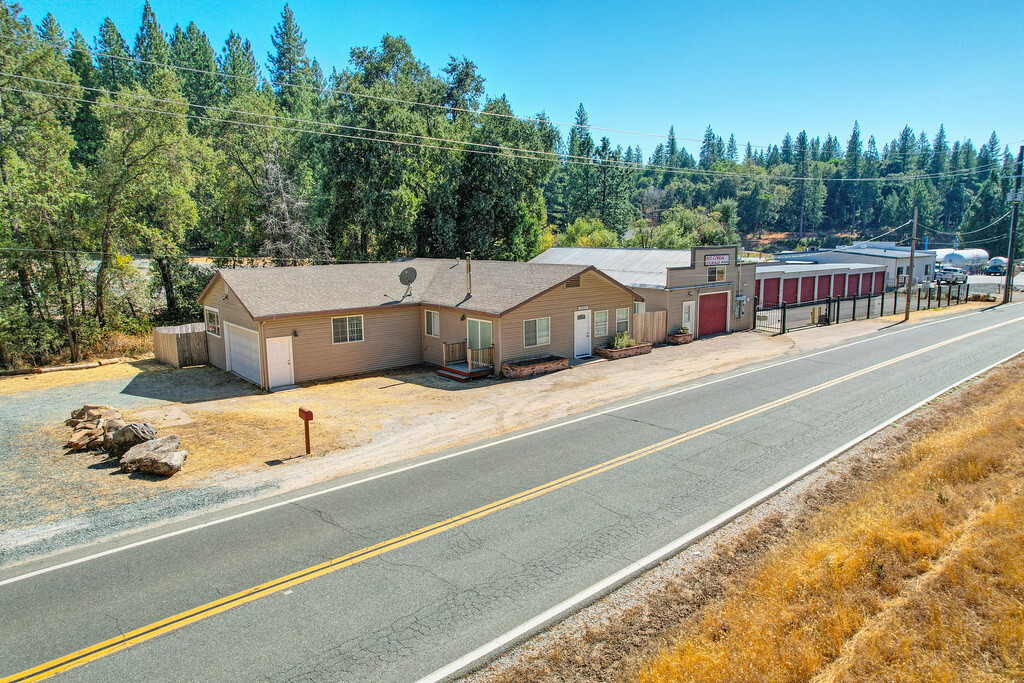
(279, 326)
(708, 290)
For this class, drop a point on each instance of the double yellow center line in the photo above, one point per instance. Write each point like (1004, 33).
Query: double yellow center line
(141, 635)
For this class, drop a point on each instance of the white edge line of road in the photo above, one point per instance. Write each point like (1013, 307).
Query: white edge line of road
(390, 473)
(642, 565)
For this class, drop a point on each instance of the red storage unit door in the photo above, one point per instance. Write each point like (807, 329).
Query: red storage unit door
(852, 285)
(789, 290)
(879, 281)
(770, 292)
(838, 285)
(807, 288)
(865, 284)
(823, 287)
(712, 313)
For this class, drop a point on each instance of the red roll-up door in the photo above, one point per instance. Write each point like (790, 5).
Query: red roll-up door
(865, 284)
(712, 313)
(838, 285)
(807, 288)
(852, 285)
(879, 282)
(770, 292)
(789, 288)
(823, 286)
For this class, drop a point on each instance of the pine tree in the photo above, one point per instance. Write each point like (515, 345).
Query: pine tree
(787, 149)
(581, 182)
(732, 152)
(51, 32)
(151, 47)
(289, 67)
(113, 60)
(708, 150)
(200, 85)
(238, 63)
(940, 152)
(748, 153)
(85, 127)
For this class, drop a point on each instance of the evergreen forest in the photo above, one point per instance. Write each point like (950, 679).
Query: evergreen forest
(133, 164)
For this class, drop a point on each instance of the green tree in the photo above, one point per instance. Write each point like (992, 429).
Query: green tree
(113, 59)
(289, 67)
(238, 64)
(581, 181)
(151, 48)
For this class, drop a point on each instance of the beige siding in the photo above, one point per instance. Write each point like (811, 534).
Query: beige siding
(391, 339)
(452, 330)
(595, 292)
(231, 311)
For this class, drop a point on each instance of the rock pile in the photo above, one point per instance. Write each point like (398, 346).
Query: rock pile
(99, 427)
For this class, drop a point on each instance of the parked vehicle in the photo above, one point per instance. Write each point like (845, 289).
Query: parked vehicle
(995, 269)
(952, 276)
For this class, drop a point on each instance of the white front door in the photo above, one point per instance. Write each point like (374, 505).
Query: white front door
(581, 335)
(280, 372)
(687, 317)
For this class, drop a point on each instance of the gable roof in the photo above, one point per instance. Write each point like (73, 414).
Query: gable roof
(632, 267)
(498, 286)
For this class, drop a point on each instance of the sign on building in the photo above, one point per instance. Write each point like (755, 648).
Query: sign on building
(716, 260)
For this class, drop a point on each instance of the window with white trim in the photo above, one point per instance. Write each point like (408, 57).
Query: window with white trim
(600, 323)
(432, 324)
(716, 273)
(537, 332)
(621, 320)
(212, 316)
(347, 329)
(639, 308)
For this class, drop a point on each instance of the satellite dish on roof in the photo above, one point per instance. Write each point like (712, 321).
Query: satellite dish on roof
(407, 276)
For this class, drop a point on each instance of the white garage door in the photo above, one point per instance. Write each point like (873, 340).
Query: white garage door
(243, 352)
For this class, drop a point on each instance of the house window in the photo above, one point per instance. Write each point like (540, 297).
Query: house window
(537, 332)
(600, 323)
(927, 268)
(212, 321)
(621, 320)
(432, 324)
(347, 329)
(716, 273)
(639, 308)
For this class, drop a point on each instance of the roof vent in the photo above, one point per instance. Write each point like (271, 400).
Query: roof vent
(574, 281)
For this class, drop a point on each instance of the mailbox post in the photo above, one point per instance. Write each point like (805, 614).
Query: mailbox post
(307, 417)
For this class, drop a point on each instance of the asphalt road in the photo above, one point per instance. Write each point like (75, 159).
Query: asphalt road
(394, 574)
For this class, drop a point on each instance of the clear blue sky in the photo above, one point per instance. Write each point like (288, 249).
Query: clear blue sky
(756, 69)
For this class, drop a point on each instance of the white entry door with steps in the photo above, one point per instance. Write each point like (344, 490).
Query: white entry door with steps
(581, 335)
(280, 370)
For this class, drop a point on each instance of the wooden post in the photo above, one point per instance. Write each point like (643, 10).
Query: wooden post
(307, 417)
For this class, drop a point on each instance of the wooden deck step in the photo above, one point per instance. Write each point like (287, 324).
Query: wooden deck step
(453, 375)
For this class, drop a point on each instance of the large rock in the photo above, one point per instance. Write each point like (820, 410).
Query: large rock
(129, 436)
(109, 427)
(158, 456)
(91, 412)
(83, 438)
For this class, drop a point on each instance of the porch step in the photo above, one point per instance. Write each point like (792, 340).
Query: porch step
(453, 375)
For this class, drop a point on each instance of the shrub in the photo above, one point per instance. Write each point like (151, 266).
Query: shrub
(621, 341)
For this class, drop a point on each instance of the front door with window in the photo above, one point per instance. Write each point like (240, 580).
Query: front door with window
(581, 335)
(687, 317)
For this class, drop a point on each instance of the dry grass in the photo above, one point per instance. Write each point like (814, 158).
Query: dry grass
(120, 345)
(917, 577)
(49, 380)
(965, 307)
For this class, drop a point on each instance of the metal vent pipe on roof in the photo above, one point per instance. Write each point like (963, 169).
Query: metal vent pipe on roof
(469, 275)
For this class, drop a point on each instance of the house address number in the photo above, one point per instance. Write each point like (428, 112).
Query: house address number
(582, 308)
(716, 260)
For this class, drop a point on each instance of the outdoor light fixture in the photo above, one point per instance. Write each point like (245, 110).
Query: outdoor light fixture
(463, 317)
(295, 333)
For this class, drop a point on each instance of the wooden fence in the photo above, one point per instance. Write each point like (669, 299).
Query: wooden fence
(651, 328)
(180, 345)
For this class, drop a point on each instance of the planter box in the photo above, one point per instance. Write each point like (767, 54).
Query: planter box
(535, 366)
(679, 338)
(613, 354)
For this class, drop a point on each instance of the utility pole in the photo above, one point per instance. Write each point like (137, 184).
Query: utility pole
(1015, 198)
(910, 275)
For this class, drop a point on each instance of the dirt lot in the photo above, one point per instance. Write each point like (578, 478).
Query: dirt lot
(242, 441)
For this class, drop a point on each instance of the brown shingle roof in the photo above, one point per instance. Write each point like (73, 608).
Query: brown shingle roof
(498, 286)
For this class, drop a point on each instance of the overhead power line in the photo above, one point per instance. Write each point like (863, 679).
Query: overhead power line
(498, 149)
(254, 257)
(348, 93)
